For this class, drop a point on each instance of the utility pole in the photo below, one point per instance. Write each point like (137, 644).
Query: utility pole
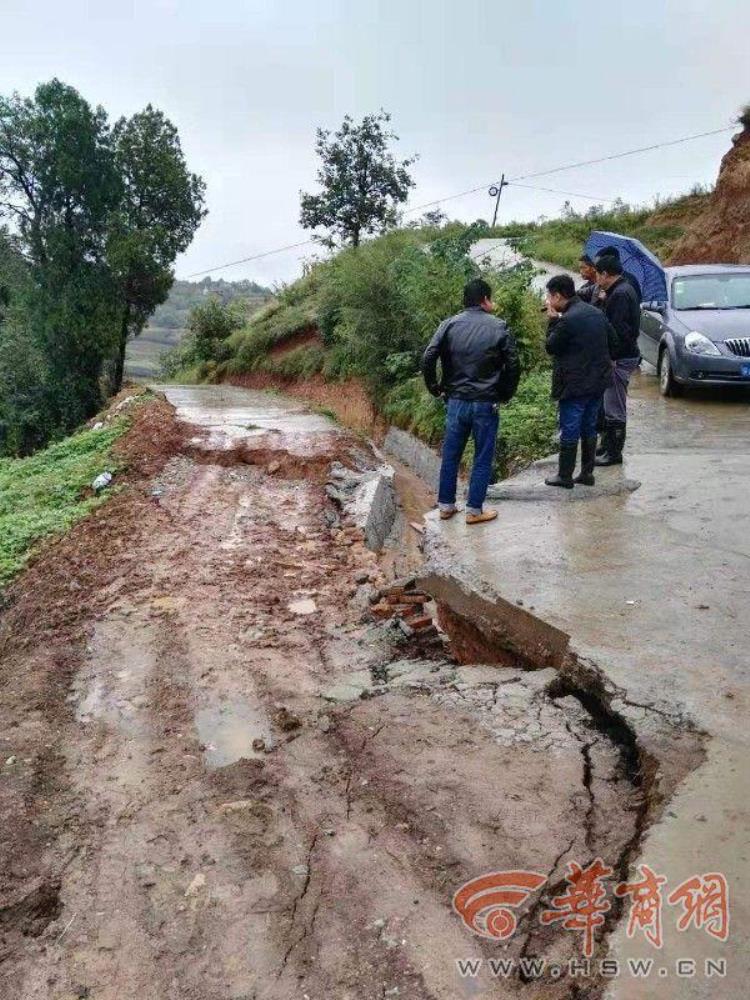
(495, 191)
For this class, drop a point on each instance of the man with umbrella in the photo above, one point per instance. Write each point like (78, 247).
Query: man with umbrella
(623, 310)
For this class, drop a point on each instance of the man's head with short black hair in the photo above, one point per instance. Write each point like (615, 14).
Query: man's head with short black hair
(562, 284)
(478, 293)
(610, 251)
(586, 267)
(608, 270)
(560, 290)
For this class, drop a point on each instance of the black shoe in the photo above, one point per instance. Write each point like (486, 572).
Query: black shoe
(588, 458)
(566, 464)
(615, 441)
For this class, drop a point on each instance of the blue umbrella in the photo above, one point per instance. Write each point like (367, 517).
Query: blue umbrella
(634, 258)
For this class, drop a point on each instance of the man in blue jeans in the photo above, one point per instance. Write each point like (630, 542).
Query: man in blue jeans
(479, 364)
(581, 341)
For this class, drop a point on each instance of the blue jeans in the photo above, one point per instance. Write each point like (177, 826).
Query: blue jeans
(578, 418)
(480, 420)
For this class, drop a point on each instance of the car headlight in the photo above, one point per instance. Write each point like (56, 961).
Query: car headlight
(696, 343)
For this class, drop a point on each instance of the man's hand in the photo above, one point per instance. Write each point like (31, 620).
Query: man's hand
(553, 313)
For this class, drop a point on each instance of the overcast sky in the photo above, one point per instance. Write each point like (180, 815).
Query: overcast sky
(476, 87)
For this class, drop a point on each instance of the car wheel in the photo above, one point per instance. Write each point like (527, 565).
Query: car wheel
(667, 384)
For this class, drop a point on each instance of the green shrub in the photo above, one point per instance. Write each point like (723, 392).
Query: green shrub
(528, 423)
(410, 406)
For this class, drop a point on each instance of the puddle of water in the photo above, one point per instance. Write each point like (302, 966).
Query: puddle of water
(110, 695)
(227, 730)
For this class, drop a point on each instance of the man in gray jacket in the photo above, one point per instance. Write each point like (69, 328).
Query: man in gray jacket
(479, 363)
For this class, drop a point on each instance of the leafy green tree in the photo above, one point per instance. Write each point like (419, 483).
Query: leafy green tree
(362, 182)
(57, 187)
(160, 208)
(210, 324)
(98, 214)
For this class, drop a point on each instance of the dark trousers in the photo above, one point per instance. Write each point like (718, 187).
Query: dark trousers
(616, 396)
(467, 419)
(578, 418)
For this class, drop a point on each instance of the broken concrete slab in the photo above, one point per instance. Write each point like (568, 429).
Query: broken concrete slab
(367, 498)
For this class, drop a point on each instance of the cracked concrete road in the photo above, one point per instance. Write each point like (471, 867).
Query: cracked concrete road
(647, 591)
(224, 782)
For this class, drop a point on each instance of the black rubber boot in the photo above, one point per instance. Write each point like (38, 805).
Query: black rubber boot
(615, 440)
(566, 464)
(601, 428)
(588, 457)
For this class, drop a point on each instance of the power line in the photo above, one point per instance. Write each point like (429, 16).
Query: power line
(481, 187)
(617, 156)
(572, 166)
(449, 197)
(571, 194)
(245, 260)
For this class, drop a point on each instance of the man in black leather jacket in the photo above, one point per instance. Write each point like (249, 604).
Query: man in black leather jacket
(479, 363)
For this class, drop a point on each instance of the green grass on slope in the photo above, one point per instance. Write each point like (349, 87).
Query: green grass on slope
(561, 240)
(43, 495)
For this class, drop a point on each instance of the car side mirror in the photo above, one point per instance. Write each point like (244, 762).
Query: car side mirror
(654, 305)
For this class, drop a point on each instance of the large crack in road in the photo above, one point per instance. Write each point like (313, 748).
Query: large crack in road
(232, 783)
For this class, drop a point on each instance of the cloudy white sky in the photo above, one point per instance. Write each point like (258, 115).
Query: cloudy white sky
(476, 87)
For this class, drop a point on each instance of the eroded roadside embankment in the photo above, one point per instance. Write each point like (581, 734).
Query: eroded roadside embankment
(231, 779)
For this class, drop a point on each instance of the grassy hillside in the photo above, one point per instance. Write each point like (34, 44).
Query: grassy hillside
(560, 240)
(169, 322)
(368, 313)
(47, 493)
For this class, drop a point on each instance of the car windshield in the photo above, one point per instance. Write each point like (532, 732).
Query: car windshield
(712, 291)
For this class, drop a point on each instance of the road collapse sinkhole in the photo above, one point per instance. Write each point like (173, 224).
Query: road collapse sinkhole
(624, 778)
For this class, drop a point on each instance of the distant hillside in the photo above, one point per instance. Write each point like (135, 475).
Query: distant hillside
(168, 324)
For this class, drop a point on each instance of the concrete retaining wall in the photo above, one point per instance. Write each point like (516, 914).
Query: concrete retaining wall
(413, 453)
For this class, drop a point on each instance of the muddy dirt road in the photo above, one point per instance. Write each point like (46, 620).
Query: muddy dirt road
(221, 779)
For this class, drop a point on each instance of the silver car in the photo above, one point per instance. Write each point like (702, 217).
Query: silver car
(701, 334)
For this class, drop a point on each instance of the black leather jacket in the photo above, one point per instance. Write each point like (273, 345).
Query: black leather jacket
(478, 357)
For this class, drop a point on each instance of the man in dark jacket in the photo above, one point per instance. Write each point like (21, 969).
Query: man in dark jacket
(589, 290)
(627, 275)
(579, 339)
(479, 364)
(623, 310)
